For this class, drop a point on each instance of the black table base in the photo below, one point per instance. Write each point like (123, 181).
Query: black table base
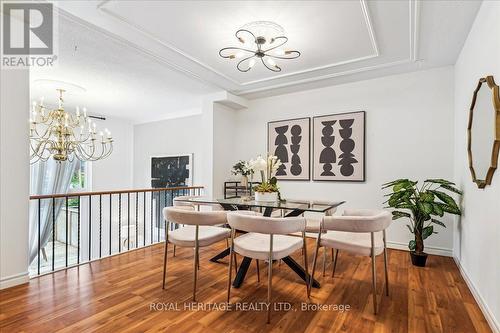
(242, 270)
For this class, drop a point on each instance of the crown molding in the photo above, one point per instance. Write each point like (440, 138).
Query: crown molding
(143, 31)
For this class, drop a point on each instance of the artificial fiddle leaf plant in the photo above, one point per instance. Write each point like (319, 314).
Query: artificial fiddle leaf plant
(423, 206)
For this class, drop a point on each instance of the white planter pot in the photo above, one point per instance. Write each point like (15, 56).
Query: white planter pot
(266, 196)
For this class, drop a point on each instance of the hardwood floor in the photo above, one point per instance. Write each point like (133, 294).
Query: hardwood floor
(123, 294)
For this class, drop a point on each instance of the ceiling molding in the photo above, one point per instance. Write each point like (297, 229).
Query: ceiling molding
(414, 22)
(414, 26)
(142, 30)
(159, 59)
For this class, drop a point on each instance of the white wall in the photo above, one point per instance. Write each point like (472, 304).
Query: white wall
(477, 236)
(409, 133)
(168, 137)
(115, 172)
(14, 176)
(224, 146)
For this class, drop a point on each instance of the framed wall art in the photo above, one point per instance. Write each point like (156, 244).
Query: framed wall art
(339, 147)
(289, 140)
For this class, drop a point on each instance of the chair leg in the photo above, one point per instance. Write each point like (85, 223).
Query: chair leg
(385, 267)
(165, 257)
(311, 278)
(196, 263)
(304, 249)
(258, 270)
(235, 263)
(374, 275)
(324, 260)
(174, 252)
(231, 255)
(334, 261)
(270, 280)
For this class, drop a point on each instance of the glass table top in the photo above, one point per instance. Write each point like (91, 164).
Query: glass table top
(304, 205)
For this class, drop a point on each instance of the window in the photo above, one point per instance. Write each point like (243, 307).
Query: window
(80, 181)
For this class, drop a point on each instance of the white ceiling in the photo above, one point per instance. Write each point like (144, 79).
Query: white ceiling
(151, 50)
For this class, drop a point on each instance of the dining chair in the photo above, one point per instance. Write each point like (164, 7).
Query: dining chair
(199, 230)
(360, 232)
(313, 221)
(179, 201)
(267, 238)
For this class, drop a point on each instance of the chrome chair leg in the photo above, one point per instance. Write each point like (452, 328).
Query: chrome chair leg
(335, 261)
(270, 279)
(165, 257)
(385, 266)
(374, 275)
(304, 248)
(324, 260)
(311, 278)
(231, 255)
(196, 263)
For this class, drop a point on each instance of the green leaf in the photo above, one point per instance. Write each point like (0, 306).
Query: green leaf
(439, 181)
(437, 210)
(445, 198)
(409, 228)
(450, 209)
(411, 245)
(451, 188)
(395, 198)
(427, 231)
(427, 197)
(397, 214)
(389, 184)
(438, 222)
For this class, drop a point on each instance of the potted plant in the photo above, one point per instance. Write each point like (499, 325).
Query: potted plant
(242, 168)
(268, 189)
(422, 206)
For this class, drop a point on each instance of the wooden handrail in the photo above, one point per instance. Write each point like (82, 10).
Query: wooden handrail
(82, 194)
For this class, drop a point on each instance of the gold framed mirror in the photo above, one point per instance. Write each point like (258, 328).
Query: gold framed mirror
(483, 132)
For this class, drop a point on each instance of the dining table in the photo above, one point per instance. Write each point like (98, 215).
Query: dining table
(288, 208)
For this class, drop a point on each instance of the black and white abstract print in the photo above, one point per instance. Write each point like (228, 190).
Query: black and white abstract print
(339, 147)
(289, 140)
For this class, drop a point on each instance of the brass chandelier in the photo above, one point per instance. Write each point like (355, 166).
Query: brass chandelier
(262, 40)
(64, 136)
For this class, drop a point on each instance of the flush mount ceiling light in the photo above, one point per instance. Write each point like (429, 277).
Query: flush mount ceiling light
(262, 40)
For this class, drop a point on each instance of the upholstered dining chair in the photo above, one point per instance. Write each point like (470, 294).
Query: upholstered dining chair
(179, 202)
(266, 238)
(313, 221)
(360, 232)
(199, 230)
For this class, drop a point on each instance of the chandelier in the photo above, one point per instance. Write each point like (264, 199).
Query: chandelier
(64, 136)
(262, 40)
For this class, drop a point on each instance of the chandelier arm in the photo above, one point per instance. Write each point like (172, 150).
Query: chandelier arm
(286, 58)
(244, 30)
(275, 47)
(275, 69)
(233, 48)
(239, 63)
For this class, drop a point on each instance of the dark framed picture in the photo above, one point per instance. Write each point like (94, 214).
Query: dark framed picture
(339, 147)
(172, 171)
(290, 140)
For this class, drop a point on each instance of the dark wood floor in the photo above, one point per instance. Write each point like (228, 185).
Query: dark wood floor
(117, 295)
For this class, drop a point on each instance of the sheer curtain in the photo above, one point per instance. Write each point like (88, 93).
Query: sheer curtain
(49, 177)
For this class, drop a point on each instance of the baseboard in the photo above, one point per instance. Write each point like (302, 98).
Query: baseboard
(14, 280)
(439, 251)
(490, 318)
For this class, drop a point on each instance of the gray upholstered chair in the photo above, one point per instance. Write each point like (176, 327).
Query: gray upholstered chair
(267, 238)
(360, 232)
(199, 230)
